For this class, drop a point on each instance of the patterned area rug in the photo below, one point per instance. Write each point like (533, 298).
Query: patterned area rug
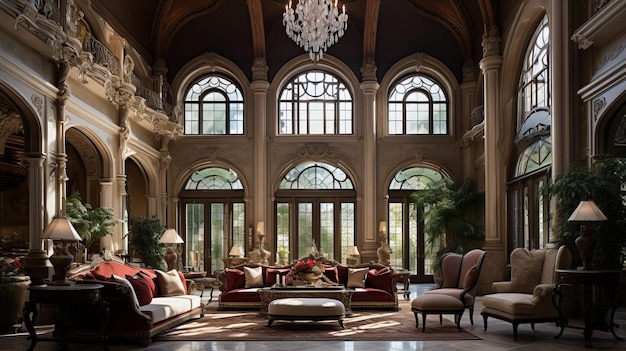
(361, 325)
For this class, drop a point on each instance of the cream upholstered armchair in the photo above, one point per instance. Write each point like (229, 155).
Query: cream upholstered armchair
(527, 298)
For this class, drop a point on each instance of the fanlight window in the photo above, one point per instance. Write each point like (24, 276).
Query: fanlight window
(317, 103)
(316, 175)
(415, 178)
(535, 156)
(214, 178)
(214, 106)
(417, 105)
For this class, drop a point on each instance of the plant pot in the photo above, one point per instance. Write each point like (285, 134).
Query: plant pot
(13, 297)
(312, 278)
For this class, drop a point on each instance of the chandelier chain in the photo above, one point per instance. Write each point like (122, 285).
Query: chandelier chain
(315, 25)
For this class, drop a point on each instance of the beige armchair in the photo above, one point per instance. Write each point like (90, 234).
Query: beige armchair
(527, 298)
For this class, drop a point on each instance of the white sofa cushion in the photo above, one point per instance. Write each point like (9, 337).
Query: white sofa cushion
(162, 308)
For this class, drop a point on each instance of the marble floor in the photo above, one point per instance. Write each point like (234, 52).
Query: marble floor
(499, 336)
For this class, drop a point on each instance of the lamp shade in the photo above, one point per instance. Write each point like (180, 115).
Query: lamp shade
(236, 251)
(353, 251)
(260, 228)
(170, 236)
(587, 211)
(61, 229)
(382, 226)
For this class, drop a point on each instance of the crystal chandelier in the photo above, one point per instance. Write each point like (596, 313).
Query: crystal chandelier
(318, 25)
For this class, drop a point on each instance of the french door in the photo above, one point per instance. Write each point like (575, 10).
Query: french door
(407, 239)
(330, 222)
(211, 227)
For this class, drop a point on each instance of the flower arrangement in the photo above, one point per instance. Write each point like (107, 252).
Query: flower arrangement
(306, 265)
(10, 267)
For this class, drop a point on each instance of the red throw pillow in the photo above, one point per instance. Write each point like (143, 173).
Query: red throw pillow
(270, 275)
(182, 279)
(149, 280)
(142, 289)
(331, 273)
(379, 279)
(235, 279)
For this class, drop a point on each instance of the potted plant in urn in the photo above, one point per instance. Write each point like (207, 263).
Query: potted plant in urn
(13, 291)
(144, 235)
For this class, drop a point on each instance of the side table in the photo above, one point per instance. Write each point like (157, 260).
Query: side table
(202, 282)
(597, 315)
(63, 296)
(403, 276)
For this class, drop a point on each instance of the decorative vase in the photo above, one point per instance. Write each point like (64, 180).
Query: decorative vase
(586, 244)
(312, 278)
(13, 297)
(384, 254)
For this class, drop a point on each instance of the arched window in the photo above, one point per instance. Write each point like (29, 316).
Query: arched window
(528, 211)
(214, 106)
(417, 105)
(213, 217)
(316, 201)
(315, 102)
(407, 238)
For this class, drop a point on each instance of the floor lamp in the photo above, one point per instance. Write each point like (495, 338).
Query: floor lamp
(171, 238)
(61, 231)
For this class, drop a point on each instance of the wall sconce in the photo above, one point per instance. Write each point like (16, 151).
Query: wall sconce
(353, 256)
(171, 238)
(587, 211)
(62, 231)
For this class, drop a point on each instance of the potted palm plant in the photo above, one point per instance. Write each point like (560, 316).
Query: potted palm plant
(92, 224)
(453, 215)
(144, 235)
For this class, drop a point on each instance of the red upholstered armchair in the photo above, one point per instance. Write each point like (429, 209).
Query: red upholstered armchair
(460, 275)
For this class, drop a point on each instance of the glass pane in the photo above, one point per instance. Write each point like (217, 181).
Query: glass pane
(239, 225)
(194, 241)
(282, 227)
(347, 230)
(413, 239)
(396, 223)
(327, 229)
(305, 229)
(217, 237)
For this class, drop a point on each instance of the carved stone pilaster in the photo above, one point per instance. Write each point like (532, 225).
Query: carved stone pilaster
(491, 41)
(469, 71)
(129, 67)
(259, 69)
(368, 69)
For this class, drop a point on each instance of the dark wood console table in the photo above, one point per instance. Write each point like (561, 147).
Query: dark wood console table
(63, 296)
(601, 297)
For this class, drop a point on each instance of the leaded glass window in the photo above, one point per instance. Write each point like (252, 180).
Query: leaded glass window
(214, 178)
(214, 106)
(417, 105)
(315, 103)
(316, 175)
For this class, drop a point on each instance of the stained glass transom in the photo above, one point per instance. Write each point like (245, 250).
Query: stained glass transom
(414, 178)
(417, 105)
(214, 106)
(214, 178)
(316, 175)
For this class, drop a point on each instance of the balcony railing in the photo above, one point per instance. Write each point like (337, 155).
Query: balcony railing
(153, 100)
(48, 8)
(102, 55)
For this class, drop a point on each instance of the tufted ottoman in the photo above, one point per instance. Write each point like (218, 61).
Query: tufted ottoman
(306, 309)
(437, 304)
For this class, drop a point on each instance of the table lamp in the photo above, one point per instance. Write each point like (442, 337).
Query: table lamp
(353, 256)
(61, 231)
(587, 211)
(171, 238)
(236, 252)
